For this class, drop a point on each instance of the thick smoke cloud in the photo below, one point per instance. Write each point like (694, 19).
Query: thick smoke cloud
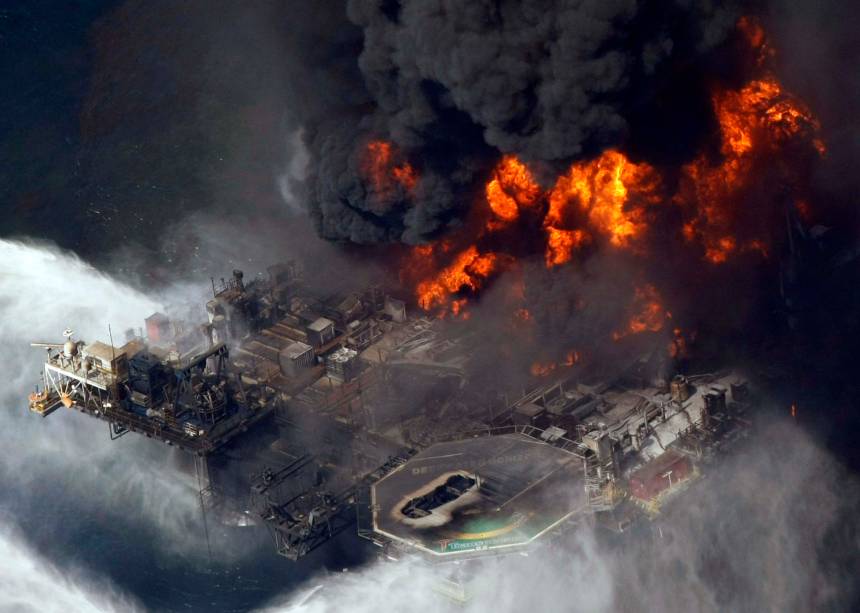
(540, 78)
(454, 83)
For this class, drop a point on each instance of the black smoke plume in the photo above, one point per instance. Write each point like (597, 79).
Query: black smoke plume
(453, 84)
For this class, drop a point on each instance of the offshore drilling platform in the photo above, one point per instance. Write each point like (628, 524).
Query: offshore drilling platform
(290, 404)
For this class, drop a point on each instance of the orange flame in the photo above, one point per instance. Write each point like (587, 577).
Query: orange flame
(511, 187)
(757, 119)
(571, 358)
(468, 271)
(598, 190)
(561, 243)
(380, 170)
(649, 314)
(542, 369)
(458, 308)
(678, 347)
(754, 121)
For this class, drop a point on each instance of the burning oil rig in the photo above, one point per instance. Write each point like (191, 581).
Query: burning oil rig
(291, 404)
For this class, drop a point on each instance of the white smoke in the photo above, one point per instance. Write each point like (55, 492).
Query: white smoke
(31, 584)
(298, 158)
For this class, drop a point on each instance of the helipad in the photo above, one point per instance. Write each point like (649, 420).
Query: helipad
(480, 494)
